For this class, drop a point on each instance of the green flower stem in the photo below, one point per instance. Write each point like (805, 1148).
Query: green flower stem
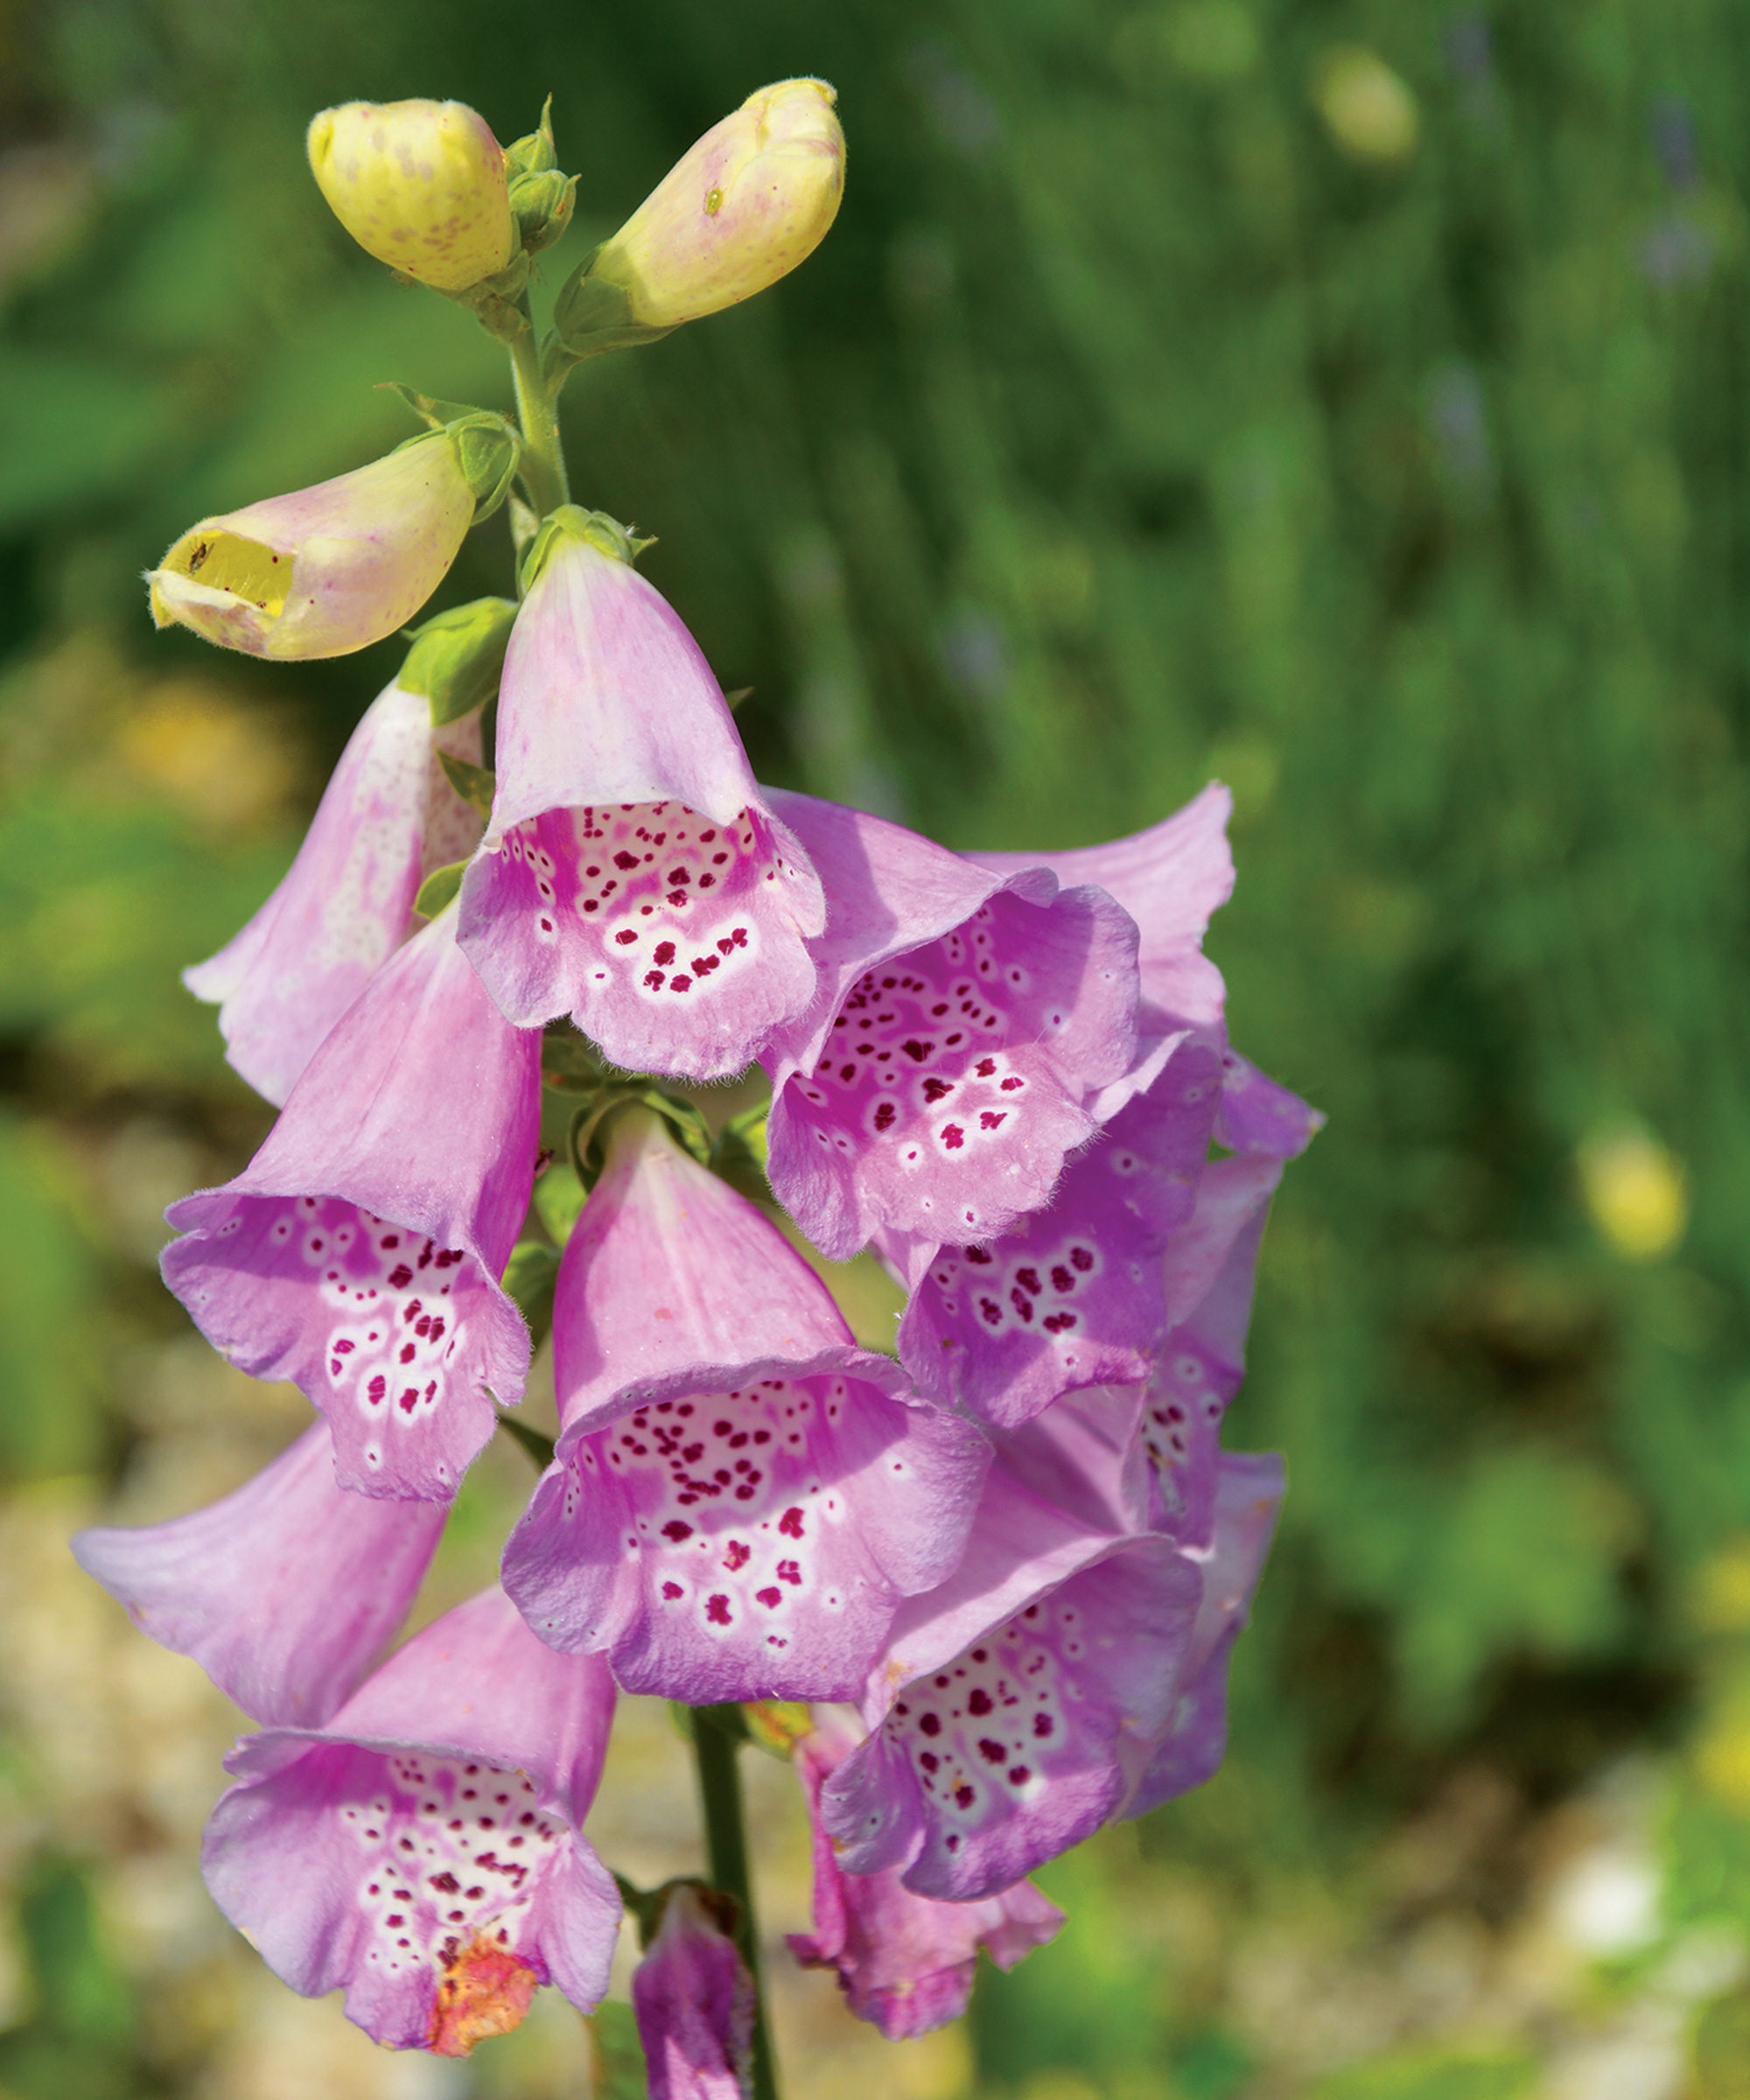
(537, 412)
(719, 1734)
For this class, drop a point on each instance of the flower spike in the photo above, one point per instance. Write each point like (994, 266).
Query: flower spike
(741, 1496)
(424, 1851)
(358, 1252)
(632, 875)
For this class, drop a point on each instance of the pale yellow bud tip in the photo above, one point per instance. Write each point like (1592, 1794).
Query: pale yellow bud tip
(421, 186)
(1368, 109)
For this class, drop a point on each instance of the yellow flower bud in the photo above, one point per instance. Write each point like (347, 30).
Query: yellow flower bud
(751, 201)
(326, 570)
(418, 185)
(1637, 1192)
(1368, 109)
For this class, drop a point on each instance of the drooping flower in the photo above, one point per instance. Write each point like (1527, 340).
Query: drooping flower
(424, 1851)
(388, 818)
(1210, 1270)
(904, 1961)
(1248, 1490)
(328, 570)
(741, 1496)
(750, 201)
(419, 184)
(285, 1592)
(694, 2000)
(964, 1022)
(358, 1252)
(1072, 1295)
(632, 875)
(1005, 1718)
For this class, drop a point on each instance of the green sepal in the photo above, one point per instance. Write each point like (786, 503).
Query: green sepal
(490, 452)
(493, 301)
(533, 153)
(777, 1725)
(589, 1152)
(737, 1153)
(570, 522)
(473, 783)
(439, 888)
(539, 1448)
(569, 1063)
(434, 414)
(542, 206)
(457, 657)
(592, 314)
(646, 1906)
(733, 701)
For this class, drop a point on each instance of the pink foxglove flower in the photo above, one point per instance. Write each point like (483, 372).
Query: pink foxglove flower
(632, 875)
(1249, 1491)
(424, 1852)
(387, 819)
(904, 1961)
(358, 1252)
(694, 2000)
(741, 1495)
(963, 1023)
(1005, 1718)
(285, 1592)
(1210, 1270)
(1074, 1295)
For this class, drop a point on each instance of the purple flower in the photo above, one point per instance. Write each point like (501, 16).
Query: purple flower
(1248, 1492)
(694, 2000)
(387, 819)
(1073, 1296)
(1210, 1269)
(964, 1022)
(1007, 1717)
(284, 1592)
(358, 1252)
(424, 1852)
(903, 1962)
(741, 1495)
(632, 875)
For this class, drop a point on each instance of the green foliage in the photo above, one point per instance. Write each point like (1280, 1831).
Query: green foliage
(1433, 2075)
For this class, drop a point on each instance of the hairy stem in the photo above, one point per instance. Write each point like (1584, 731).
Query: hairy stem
(719, 1734)
(537, 412)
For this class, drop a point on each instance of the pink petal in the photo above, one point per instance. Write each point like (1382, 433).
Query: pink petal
(437, 1815)
(358, 1252)
(284, 1592)
(1258, 1115)
(387, 819)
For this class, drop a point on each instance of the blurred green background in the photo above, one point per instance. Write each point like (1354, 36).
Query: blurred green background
(1349, 401)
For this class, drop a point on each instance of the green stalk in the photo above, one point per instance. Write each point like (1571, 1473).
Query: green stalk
(537, 412)
(719, 1734)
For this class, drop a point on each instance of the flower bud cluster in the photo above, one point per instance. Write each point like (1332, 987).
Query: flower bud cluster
(985, 1588)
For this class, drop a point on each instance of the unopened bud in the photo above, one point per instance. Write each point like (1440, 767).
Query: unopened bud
(328, 570)
(751, 199)
(418, 185)
(457, 657)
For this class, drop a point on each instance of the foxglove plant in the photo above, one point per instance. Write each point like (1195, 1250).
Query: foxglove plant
(1011, 1565)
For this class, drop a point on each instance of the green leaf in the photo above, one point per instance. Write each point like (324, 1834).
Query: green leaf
(473, 783)
(440, 886)
(620, 2067)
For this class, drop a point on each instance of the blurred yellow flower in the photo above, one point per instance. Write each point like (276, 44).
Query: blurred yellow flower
(1636, 1191)
(1368, 109)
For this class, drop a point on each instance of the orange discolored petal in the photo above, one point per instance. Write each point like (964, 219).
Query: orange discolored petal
(485, 1990)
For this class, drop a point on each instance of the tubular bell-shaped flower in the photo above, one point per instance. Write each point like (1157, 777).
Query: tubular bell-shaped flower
(358, 1252)
(1074, 1295)
(424, 1851)
(285, 1592)
(387, 819)
(328, 570)
(741, 1496)
(962, 1022)
(1248, 1494)
(632, 875)
(694, 2000)
(1003, 1719)
(904, 1961)
(1210, 1270)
